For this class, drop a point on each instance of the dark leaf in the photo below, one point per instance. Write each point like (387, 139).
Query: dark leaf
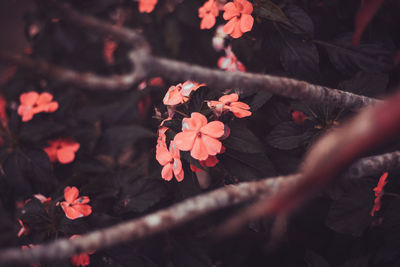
(270, 11)
(140, 195)
(287, 135)
(189, 253)
(368, 84)
(117, 138)
(300, 58)
(246, 166)
(259, 99)
(368, 57)
(242, 139)
(315, 260)
(301, 23)
(350, 214)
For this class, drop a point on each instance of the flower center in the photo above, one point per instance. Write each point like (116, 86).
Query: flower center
(199, 134)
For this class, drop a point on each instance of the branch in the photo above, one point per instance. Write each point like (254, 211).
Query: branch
(123, 34)
(299, 90)
(329, 157)
(147, 66)
(178, 214)
(87, 80)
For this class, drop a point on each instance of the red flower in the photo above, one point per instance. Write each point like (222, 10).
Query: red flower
(240, 21)
(207, 13)
(298, 117)
(171, 161)
(200, 137)
(230, 103)
(62, 150)
(211, 161)
(24, 230)
(147, 6)
(3, 114)
(73, 206)
(180, 93)
(109, 48)
(82, 259)
(33, 103)
(230, 62)
(379, 193)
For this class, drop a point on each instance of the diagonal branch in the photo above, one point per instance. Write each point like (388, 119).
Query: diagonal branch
(179, 214)
(329, 157)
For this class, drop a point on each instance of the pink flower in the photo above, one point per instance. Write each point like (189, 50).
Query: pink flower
(147, 6)
(240, 21)
(74, 206)
(180, 93)
(230, 103)
(200, 137)
(33, 103)
(171, 161)
(207, 13)
(62, 150)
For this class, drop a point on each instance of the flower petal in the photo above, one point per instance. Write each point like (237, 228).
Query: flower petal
(70, 194)
(212, 145)
(166, 172)
(163, 156)
(246, 23)
(229, 98)
(81, 200)
(184, 140)
(213, 129)
(199, 150)
(230, 25)
(207, 22)
(230, 11)
(65, 155)
(29, 99)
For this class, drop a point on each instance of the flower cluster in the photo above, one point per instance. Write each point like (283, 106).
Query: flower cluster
(237, 13)
(200, 135)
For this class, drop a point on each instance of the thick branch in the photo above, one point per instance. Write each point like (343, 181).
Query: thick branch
(329, 157)
(287, 87)
(147, 66)
(180, 213)
(87, 80)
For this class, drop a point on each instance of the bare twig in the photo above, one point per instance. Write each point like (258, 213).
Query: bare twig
(179, 214)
